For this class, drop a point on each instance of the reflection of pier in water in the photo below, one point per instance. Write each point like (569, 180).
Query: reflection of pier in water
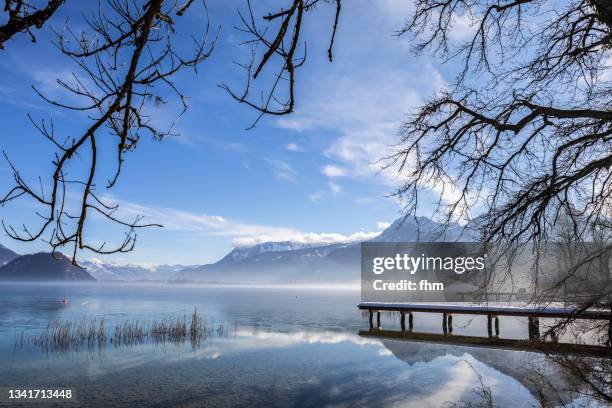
(534, 343)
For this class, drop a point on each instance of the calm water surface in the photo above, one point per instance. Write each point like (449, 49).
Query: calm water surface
(278, 347)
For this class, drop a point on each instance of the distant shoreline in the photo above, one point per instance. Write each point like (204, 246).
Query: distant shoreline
(347, 287)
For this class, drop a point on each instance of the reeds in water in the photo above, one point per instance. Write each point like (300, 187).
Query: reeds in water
(198, 330)
(20, 339)
(175, 330)
(65, 336)
(128, 334)
(91, 334)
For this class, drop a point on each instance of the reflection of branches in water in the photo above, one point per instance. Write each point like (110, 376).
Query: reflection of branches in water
(583, 377)
(91, 334)
(592, 376)
(482, 391)
(560, 379)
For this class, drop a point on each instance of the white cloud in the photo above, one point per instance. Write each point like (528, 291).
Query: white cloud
(382, 225)
(242, 233)
(308, 238)
(333, 171)
(361, 109)
(364, 200)
(397, 11)
(463, 27)
(335, 188)
(293, 147)
(316, 197)
(366, 108)
(282, 170)
(606, 74)
(47, 80)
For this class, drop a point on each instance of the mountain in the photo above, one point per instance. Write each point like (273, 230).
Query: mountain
(240, 253)
(265, 263)
(305, 265)
(6, 255)
(109, 271)
(43, 267)
(288, 262)
(423, 229)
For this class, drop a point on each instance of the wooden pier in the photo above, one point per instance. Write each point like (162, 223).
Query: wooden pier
(493, 313)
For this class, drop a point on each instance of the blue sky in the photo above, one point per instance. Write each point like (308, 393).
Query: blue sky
(310, 176)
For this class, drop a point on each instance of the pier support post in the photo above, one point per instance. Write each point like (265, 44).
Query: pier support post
(371, 322)
(610, 327)
(490, 325)
(530, 327)
(450, 323)
(378, 320)
(444, 323)
(496, 326)
(410, 321)
(403, 321)
(534, 328)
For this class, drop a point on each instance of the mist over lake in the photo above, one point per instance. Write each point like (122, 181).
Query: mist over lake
(279, 347)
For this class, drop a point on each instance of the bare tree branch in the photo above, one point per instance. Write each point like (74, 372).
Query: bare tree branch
(279, 97)
(124, 65)
(22, 17)
(532, 142)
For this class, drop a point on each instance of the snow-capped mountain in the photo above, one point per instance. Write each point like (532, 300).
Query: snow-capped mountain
(110, 271)
(240, 253)
(275, 262)
(289, 262)
(412, 229)
(304, 265)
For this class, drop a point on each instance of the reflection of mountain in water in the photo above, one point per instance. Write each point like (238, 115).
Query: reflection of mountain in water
(518, 365)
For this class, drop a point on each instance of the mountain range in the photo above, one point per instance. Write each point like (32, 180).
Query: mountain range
(111, 271)
(284, 262)
(291, 263)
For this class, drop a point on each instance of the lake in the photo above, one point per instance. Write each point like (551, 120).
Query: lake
(265, 346)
